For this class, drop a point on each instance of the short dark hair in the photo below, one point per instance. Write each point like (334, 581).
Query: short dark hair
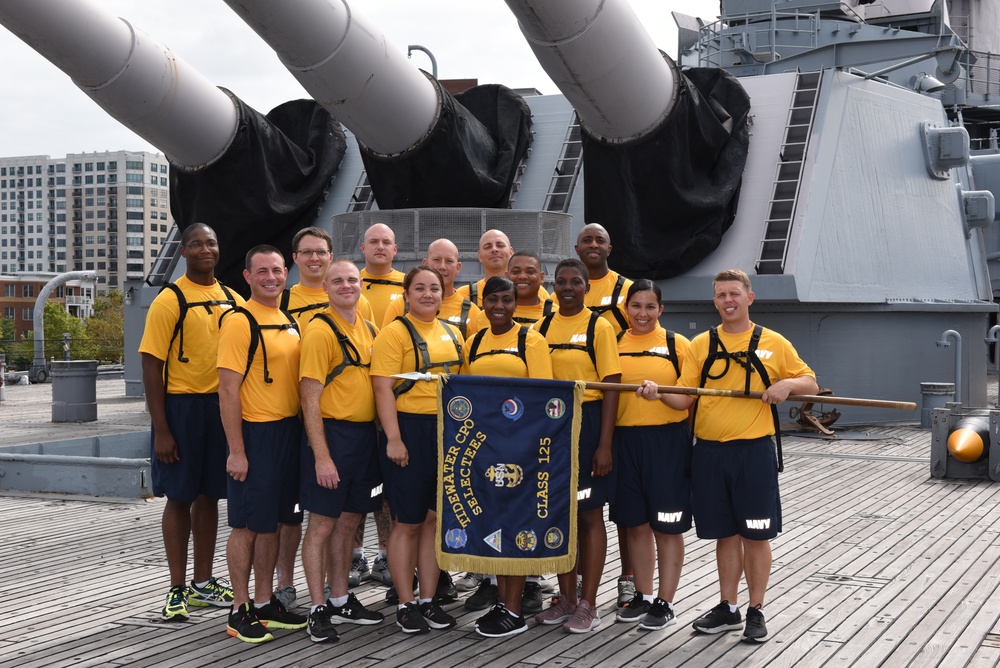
(642, 285)
(525, 253)
(262, 249)
(497, 284)
(573, 263)
(408, 279)
(191, 229)
(312, 232)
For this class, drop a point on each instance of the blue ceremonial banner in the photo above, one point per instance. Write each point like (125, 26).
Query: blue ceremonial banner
(507, 474)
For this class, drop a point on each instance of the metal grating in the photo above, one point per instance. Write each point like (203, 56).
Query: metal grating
(362, 199)
(545, 232)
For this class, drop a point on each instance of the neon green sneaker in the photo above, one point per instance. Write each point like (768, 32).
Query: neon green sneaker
(176, 608)
(216, 593)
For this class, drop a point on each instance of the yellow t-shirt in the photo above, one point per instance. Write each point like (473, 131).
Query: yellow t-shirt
(263, 402)
(575, 364)
(451, 310)
(635, 411)
(600, 293)
(728, 419)
(537, 363)
(201, 336)
(543, 294)
(380, 294)
(301, 297)
(349, 396)
(523, 315)
(392, 353)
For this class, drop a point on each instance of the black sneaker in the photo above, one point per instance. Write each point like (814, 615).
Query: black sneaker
(634, 610)
(659, 615)
(436, 617)
(275, 616)
(719, 619)
(244, 625)
(321, 629)
(353, 612)
(484, 597)
(409, 619)
(391, 596)
(499, 623)
(531, 598)
(446, 591)
(755, 630)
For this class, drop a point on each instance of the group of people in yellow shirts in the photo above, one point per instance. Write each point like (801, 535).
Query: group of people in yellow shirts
(333, 355)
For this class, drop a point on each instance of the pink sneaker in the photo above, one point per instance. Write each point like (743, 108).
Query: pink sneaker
(556, 614)
(583, 619)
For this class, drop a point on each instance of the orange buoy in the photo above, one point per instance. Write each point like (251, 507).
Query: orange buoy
(970, 439)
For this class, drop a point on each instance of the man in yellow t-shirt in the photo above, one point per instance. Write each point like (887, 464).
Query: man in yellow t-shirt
(382, 286)
(734, 470)
(607, 288)
(340, 477)
(442, 255)
(381, 283)
(258, 396)
(494, 254)
(179, 346)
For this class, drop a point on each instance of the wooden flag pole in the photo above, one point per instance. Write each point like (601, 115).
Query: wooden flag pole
(708, 392)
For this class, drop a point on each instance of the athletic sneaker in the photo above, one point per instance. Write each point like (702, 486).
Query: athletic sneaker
(446, 590)
(409, 619)
(547, 587)
(176, 608)
(634, 610)
(327, 592)
(660, 615)
(391, 596)
(436, 617)
(583, 619)
(755, 631)
(719, 619)
(274, 615)
(380, 571)
(286, 595)
(216, 592)
(485, 597)
(626, 590)
(579, 593)
(469, 581)
(246, 626)
(359, 571)
(353, 612)
(557, 613)
(321, 628)
(531, 598)
(499, 623)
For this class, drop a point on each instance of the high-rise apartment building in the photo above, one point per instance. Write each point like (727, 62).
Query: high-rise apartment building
(107, 212)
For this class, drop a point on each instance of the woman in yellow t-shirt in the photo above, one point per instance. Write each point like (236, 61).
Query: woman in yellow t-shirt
(653, 459)
(583, 347)
(407, 410)
(510, 350)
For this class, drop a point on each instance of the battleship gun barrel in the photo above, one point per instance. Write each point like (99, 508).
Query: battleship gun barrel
(136, 79)
(348, 67)
(603, 60)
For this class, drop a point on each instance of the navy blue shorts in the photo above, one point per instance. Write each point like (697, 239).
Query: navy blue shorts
(201, 443)
(592, 492)
(654, 486)
(735, 489)
(269, 494)
(352, 447)
(412, 490)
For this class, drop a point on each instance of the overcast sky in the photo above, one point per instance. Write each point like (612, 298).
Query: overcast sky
(44, 113)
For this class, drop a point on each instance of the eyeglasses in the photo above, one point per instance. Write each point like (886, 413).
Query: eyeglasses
(198, 245)
(312, 251)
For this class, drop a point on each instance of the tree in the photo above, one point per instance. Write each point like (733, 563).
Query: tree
(58, 321)
(105, 330)
(7, 336)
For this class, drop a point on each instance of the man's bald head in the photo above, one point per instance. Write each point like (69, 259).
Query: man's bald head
(379, 248)
(442, 255)
(494, 252)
